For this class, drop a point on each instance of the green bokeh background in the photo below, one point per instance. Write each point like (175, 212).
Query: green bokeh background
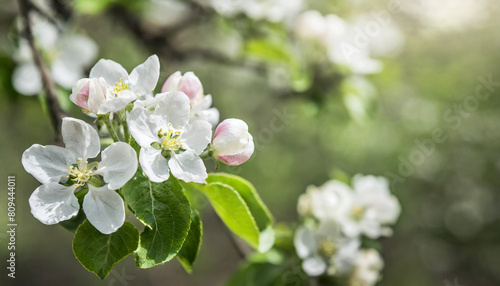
(449, 229)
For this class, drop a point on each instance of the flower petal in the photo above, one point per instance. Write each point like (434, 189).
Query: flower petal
(172, 82)
(154, 165)
(104, 209)
(110, 70)
(52, 203)
(114, 104)
(48, 164)
(191, 85)
(314, 266)
(197, 135)
(239, 158)
(144, 77)
(142, 127)
(231, 137)
(305, 242)
(188, 166)
(118, 164)
(81, 138)
(26, 79)
(175, 106)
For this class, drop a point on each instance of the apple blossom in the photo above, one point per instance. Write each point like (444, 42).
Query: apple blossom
(191, 85)
(367, 267)
(324, 249)
(70, 55)
(110, 88)
(64, 171)
(169, 143)
(232, 144)
(330, 201)
(373, 208)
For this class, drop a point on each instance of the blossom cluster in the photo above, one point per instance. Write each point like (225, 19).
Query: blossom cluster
(167, 134)
(352, 45)
(337, 217)
(58, 47)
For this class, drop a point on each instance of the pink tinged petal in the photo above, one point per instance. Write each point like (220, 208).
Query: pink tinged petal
(188, 166)
(175, 106)
(197, 135)
(172, 82)
(97, 94)
(118, 165)
(191, 85)
(238, 158)
(52, 203)
(81, 138)
(104, 209)
(154, 165)
(80, 93)
(48, 164)
(111, 71)
(142, 127)
(144, 77)
(26, 79)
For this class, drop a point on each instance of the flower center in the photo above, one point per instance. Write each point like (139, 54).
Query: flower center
(171, 139)
(358, 213)
(327, 248)
(120, 86)
(81, 172)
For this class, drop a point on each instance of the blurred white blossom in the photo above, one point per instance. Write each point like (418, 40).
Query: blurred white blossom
(367, 267)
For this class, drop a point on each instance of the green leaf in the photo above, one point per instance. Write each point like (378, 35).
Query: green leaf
(98, 252)
(165, 211)
(189, 251)
(247, 191)
(258, 209)
(232, 209)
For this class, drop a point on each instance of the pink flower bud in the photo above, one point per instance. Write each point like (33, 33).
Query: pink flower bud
(89, 93)
(188, 83)
(232, 143)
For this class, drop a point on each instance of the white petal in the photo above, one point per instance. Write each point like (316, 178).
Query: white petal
(191, 85)
(314, 266)
(114, 104)
(239, 158)
(118, 164)
(52, 203)
(188, 167)
(142, 127)
(211, 115)
(104, 209)
(305, 242)
(26, 79)
(154, 165)
(81, 138)
(197, 135)
(48, 163)
(175, 106)
(79, 49)
(111, 71)
(144, 77)
(65, 73)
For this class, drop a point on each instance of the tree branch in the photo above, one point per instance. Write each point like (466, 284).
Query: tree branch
(55, 112)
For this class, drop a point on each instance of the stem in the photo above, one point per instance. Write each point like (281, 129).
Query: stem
(126, 132)
(55, 111)
(111, 129)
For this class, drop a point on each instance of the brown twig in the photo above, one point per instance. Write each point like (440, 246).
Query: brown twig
(55, 112)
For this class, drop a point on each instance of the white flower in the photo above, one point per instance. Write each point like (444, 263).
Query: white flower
(325, 249)
(110, 88)
(232, 143)
(191, 85)
(67, 57)
(372, 209)
(367, 268)
(310, 25)
(169, 143)
(62, 171)
(330, 201)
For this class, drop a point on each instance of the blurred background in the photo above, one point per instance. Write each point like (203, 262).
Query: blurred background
(421, 107)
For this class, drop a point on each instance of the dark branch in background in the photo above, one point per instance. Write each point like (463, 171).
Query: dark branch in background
(55, 112)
